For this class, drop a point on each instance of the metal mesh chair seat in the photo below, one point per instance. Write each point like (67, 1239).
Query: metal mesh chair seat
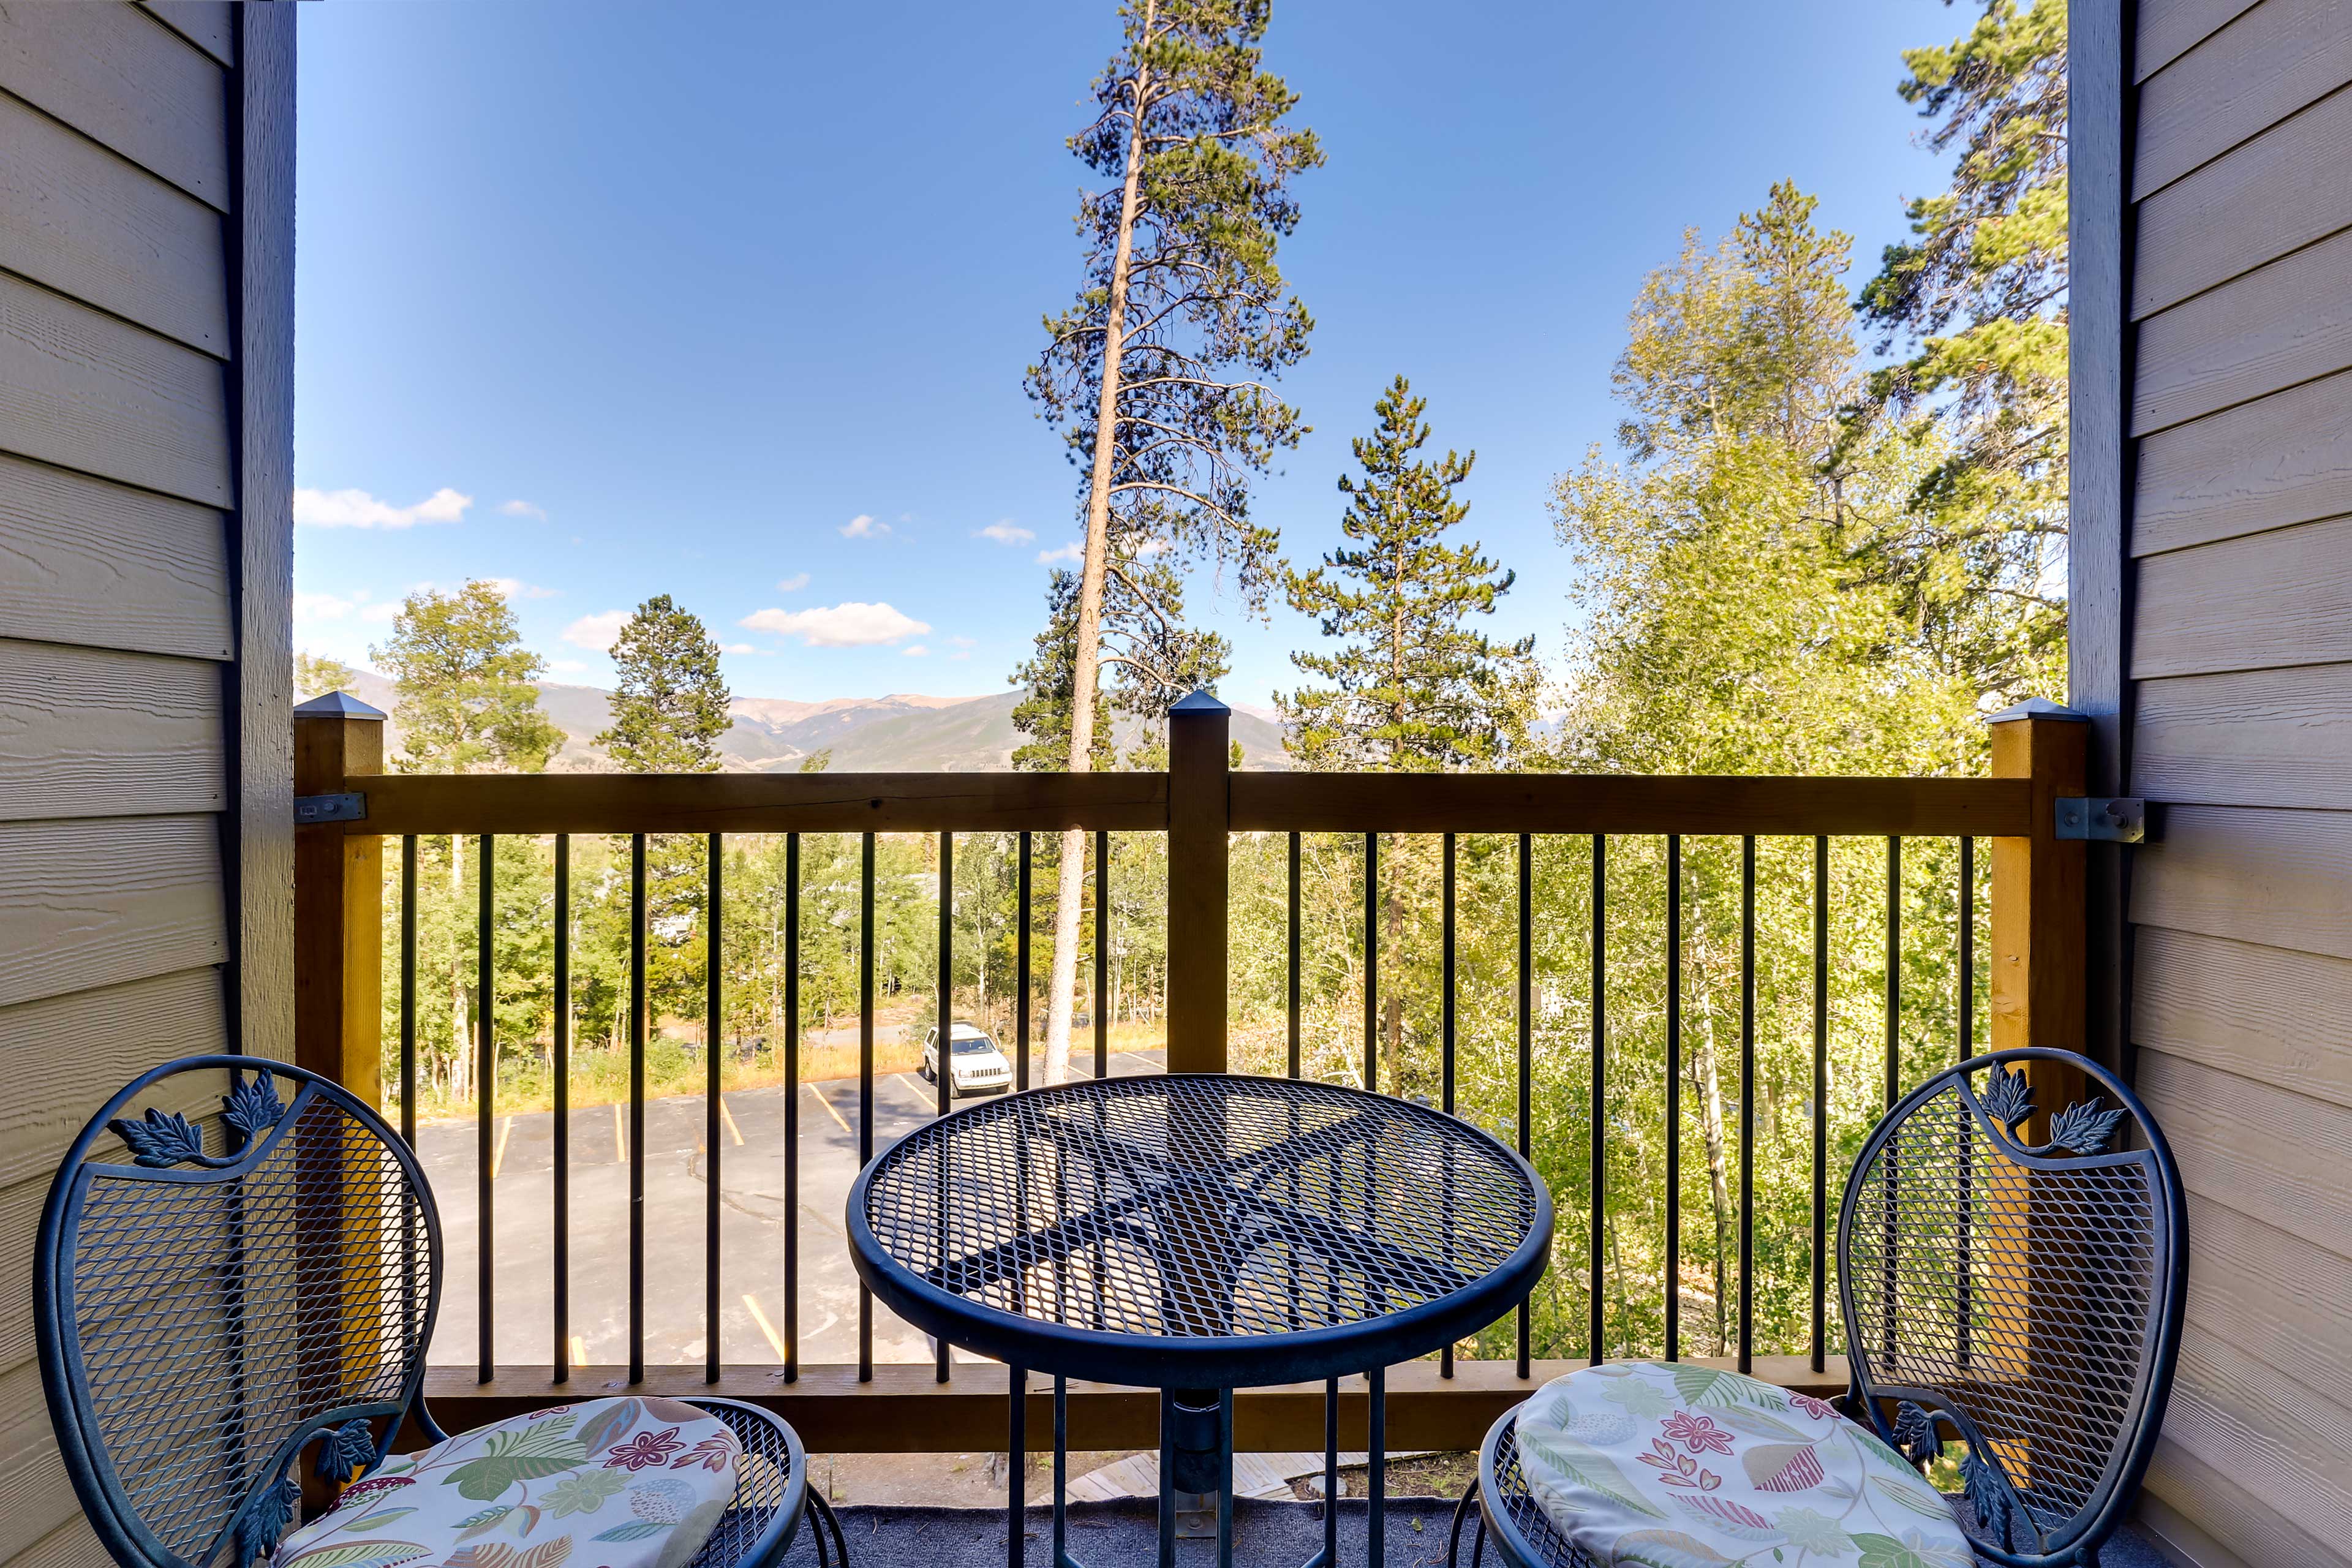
(1523, 1533)
(257, 1282)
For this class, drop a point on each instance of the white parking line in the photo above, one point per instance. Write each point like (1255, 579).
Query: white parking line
(620, 1144)
(499, 1153)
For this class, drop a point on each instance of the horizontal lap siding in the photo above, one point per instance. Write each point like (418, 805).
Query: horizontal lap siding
(119, 610)
(2241, 651)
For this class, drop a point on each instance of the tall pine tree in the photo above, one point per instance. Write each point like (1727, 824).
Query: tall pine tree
(466, 704)
(669, 706)
(1158, 374)
(1414, 686)
(1977, 301)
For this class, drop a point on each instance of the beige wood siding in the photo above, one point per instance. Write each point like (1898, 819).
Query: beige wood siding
(143, 557)
(2241, 659)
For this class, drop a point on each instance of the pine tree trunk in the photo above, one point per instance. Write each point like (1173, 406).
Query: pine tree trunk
(1086, 664)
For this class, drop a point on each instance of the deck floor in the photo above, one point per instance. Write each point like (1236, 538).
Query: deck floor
(1123, 1534)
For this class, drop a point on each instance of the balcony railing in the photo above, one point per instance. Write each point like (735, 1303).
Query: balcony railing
(2034, 991)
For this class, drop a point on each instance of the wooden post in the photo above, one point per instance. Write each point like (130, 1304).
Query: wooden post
(339, 901)
(1200, 737)
(2038, 932)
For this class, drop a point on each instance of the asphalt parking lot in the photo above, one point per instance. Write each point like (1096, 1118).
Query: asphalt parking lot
(753, 1316)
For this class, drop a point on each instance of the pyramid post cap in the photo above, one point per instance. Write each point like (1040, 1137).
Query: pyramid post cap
(337, 704)
(1200, 700)
(2039, 708)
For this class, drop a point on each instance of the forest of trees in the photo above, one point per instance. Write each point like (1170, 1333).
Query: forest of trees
(1828, 539)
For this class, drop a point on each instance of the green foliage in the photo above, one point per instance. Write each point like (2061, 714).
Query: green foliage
(315, 676)
(1160, 660)
(1413, 686)
(1977, 298)
(465, 700)
(670, 706)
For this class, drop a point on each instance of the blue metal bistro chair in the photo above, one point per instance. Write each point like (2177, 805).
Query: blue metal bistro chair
(205, 1318)
(2020, 1300)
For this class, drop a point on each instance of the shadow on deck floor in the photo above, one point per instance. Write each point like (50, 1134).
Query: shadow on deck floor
(1124, 1534)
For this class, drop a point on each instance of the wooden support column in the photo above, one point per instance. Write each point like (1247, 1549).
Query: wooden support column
(2039, 930)
(1200, 739)
(339, 901)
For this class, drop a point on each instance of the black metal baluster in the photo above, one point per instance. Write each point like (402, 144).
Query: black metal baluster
(562, 1073)
(1968, 947)
(1527, 1033)
(791, 1107)
(636, 1108)
(866, 1080)
(1821, 1096)
(486, 1077)
(1445, 1064)
(1021, 969)
(408, 989)
(1372, 964)
(1747, 1102)
(1294, 955)
(713, 1108)
(1102, 957)
(943, 1075)
(1893, 970)
(1598, 1176)
(1964, 1305)
(1673, 1095)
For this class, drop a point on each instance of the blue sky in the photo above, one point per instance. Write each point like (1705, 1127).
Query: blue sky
(609, 301)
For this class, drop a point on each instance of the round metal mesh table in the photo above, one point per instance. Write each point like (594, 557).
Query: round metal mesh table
(1199, 1231)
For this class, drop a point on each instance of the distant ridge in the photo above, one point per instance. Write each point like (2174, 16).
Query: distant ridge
(903, 733)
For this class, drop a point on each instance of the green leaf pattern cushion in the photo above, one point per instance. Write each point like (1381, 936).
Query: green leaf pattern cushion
(611, 1483)
(1666, 1464)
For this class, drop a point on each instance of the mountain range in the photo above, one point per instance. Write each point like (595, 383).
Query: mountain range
(903, 733)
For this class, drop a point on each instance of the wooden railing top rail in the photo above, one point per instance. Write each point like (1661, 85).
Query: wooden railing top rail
(760, 803)
(1257, 802)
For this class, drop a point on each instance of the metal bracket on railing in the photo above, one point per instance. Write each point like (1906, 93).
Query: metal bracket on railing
(2122, 819)
(314, 808)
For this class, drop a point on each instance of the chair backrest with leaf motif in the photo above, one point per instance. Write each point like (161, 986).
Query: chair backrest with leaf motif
(238, 1262)
(2020, 1298)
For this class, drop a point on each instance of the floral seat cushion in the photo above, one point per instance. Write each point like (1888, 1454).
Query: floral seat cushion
(1676, 1465)
(610, 1483)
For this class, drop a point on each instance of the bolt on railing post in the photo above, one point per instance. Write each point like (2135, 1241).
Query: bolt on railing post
(339, 901)
(1199, 738)
(2039, 983)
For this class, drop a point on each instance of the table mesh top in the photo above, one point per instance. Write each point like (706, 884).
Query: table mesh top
(1199, 1206)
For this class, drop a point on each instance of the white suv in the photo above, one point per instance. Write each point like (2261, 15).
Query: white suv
(975, 1065)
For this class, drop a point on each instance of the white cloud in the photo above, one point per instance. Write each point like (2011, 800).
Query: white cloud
(1070, 554)
(386, 612)
(516, 588)
(964, 642)
(567, 666)
(357, 509)
(918, 651)
(596, 632)
(322, 606)
(736, 647)
(864, 527)
(851, 624)
(954, 658)
(1005, 532)
(793, 584)
(523, 509)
